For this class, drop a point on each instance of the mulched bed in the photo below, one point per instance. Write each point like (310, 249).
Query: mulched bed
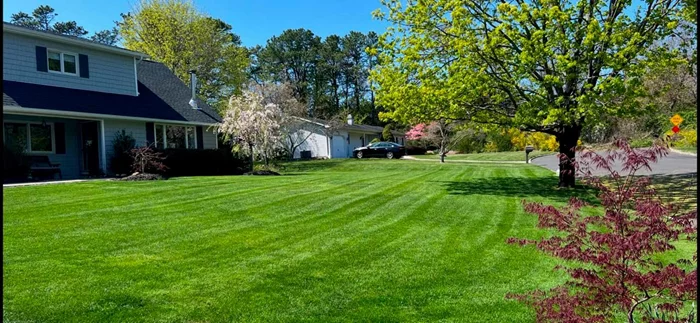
(262, 172)
(142, 177)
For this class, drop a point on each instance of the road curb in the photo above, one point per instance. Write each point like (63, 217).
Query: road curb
(682, 152)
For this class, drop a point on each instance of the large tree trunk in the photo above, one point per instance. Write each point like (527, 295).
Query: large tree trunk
(567, 154)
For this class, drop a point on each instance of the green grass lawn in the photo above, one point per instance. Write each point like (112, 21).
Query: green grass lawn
(350, 240)
(687, 149)
(499, 156)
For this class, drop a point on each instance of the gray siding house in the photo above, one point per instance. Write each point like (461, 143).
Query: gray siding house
(65, 97)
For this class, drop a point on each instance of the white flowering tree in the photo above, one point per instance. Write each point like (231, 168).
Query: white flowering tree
(295, 131)
(252, 125)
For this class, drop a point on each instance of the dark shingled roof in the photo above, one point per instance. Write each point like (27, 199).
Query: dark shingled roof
(161, 96)
(356, 127)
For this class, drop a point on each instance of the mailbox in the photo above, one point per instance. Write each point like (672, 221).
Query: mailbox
(528, 150)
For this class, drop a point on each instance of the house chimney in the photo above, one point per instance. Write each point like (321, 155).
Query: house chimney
(350, 119)
(193, 86)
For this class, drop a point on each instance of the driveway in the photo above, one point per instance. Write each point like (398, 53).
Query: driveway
(673, 164)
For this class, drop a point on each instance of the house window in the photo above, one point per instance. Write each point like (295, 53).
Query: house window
(32, 137)
(171, 136)
(60, 62)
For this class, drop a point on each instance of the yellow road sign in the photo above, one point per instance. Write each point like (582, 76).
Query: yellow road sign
(676, 120)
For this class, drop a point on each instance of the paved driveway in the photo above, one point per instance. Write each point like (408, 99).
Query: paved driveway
(673, 164)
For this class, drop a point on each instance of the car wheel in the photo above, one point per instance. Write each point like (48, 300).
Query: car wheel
(390, 155)
(359, 155)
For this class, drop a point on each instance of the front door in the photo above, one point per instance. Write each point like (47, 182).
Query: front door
(90, 149)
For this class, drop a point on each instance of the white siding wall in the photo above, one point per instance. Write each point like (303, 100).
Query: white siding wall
(109, 73)
(317, 143)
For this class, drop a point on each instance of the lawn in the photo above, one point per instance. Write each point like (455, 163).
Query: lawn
(687, 149)
(352, 240)
(498, 156)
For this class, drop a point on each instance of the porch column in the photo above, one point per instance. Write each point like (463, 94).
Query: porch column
(103, 151)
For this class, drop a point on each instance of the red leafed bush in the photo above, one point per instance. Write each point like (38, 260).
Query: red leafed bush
(610, 257)
(147, 160)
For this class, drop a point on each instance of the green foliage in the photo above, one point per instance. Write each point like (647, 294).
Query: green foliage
(386, 133)
(178, 35)
(42, 17)
(544, 66)
(328, 75)
(121, 160)
(374, 140)
(16, 164)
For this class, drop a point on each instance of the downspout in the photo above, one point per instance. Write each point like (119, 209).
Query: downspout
(136, 74)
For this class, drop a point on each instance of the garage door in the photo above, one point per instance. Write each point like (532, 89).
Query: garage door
(339, 150)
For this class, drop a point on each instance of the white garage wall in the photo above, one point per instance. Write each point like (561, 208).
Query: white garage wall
(316, 143)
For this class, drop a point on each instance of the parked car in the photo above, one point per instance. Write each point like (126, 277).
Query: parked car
(380, 149)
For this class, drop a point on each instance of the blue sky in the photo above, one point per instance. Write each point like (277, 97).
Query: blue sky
(254, 20)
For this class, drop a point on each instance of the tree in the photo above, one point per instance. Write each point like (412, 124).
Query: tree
(107, 36)
(69, 28)
(252, 125)
(386, 133)
(42, 17)
(612, 257)
(328, 75)
(175, 33)
(546, 65)
(292, 114)
(441, 133)
(292, 57)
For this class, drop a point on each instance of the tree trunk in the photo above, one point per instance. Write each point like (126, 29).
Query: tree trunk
(442, 157)
(567, 154)
(252, 157)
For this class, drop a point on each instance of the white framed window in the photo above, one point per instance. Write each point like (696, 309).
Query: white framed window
(62, 62)
(175, 136)
(34, 137)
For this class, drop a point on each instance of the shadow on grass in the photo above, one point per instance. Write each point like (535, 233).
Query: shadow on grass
(309, 165)
(525, 188)
(678, 189)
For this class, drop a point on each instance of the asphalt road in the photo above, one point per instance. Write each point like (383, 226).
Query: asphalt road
(672, 164)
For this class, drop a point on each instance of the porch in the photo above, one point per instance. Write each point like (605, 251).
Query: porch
(76, 145)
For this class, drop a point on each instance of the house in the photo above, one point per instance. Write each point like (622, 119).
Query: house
(326, 141)
(66, 97)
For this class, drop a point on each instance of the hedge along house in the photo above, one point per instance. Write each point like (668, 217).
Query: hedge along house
(324, 141)
(65, 97)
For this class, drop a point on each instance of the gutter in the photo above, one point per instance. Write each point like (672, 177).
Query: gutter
(96, 116)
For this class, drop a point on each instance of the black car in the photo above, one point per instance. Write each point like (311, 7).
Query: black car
(380, 149)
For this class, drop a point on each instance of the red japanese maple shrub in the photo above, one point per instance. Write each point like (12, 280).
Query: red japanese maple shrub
(147, 160)
(611, 257)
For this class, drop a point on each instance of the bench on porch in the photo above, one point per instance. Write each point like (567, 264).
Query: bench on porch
(41, 165)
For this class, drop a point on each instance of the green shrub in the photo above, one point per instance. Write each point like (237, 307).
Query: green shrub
(641, 143)
(386, 133)
(121, 160)
(203, 162)
(16, 163)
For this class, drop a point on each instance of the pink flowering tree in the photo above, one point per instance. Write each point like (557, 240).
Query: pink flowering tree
(613, 258)
(441, 133)
(252, 125)
(417, 132)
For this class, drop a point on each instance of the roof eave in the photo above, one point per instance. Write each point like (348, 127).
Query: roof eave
(66, 40)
